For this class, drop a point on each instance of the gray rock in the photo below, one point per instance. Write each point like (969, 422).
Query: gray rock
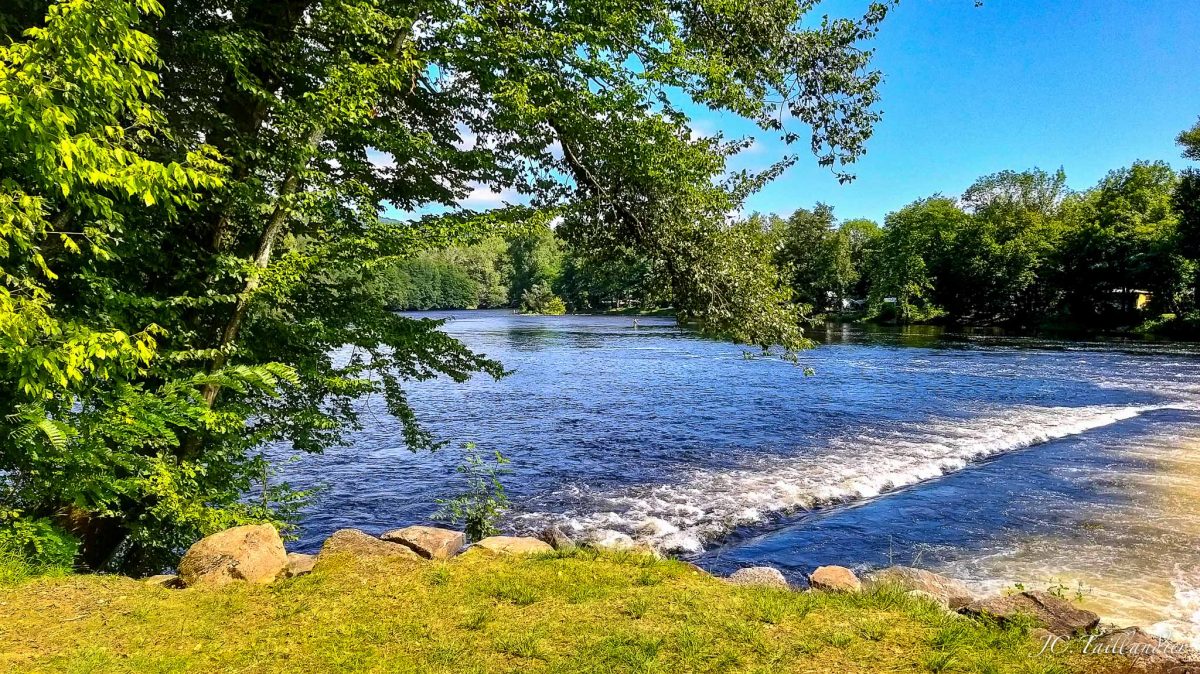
(429, 542)
(834, 579)
(1059, 616)
(947, 591)
(557, 539)
(252, 553)
(759, 576)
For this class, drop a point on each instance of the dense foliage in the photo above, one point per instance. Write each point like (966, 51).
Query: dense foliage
(190, 231)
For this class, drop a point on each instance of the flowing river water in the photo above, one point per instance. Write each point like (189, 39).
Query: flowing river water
(993, 459)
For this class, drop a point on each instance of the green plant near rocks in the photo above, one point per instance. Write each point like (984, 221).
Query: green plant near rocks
(480, 508)
(33, 546)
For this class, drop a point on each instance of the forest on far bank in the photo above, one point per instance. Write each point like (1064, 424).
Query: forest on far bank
(1017, 248)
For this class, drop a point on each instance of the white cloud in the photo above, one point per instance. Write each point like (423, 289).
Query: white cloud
(482, 196)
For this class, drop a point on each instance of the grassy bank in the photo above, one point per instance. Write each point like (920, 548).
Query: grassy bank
(479, 613)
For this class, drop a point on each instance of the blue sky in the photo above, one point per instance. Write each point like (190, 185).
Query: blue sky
(1089, 85)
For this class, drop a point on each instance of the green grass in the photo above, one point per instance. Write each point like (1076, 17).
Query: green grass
(16, 568)
(580, 612)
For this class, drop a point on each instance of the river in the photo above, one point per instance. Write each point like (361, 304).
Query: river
(994, 459)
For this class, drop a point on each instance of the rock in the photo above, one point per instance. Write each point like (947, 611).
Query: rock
(680, 543)
(299, 564)
(1147, 653)
(759, 576)
(1055, 614)
(429, 542)
(608, 539)
(512, 545)
(834, 579)
(556, 539)
(252, 553)
(167, 580)
(361, 544)
(947, 591)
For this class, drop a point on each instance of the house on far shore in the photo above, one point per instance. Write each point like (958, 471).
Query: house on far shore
(1129, 297)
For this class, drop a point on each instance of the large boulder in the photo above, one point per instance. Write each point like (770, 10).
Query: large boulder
(429, 542)
(946, 591)
(357, 543)
(512, 545)
(759, 576)
(834, 579)
(252, 553)
(1058, 615)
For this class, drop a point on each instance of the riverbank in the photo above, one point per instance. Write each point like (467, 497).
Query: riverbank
(565, 611)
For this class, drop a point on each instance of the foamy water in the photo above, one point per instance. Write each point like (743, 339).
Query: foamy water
(707, 505)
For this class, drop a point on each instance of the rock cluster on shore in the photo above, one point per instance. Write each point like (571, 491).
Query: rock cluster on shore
(255, 554)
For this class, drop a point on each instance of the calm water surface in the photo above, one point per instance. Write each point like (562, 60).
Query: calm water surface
(997, 460)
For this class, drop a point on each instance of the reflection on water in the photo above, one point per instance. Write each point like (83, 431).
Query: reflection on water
(995, 458)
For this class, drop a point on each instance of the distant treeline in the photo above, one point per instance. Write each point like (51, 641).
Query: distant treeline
(1017, 248)
(531, 270)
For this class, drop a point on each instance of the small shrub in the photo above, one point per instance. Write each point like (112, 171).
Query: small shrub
(480, 508)
(540, 299)
(31, 547)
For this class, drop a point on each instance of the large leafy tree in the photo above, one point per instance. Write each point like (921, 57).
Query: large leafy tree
(191, 212)
(816, 257)
(1187, 205)
(1123, 238)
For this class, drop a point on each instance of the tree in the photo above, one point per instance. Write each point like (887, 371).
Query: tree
(1123, 240)
(1190, 141)
(816, 258)
(911, 262)
(862, 236)
(1187, 205)
(1007, 249)
(536, 258)
(218, 172)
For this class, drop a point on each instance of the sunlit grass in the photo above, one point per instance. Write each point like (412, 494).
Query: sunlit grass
(578, 612)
